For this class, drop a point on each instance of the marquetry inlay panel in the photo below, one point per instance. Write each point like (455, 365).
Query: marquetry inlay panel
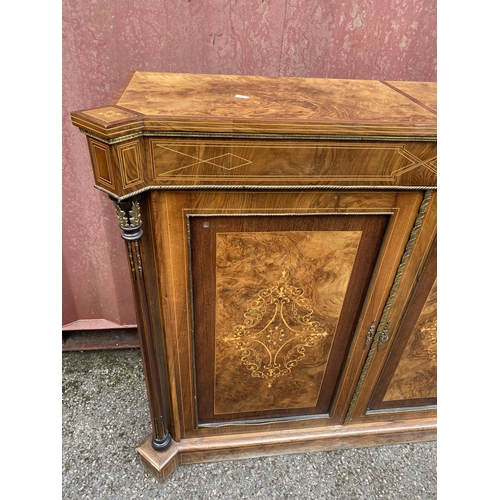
(101, 160)
(276, 300)
(204, 161)
(274, 330)
(416, 375)
(130, 162)
(109, 114)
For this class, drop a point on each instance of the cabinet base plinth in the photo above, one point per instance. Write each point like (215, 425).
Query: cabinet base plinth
(239, 446)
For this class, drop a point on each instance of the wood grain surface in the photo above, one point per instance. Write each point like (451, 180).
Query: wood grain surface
(283, 162)
(258, 104)
(175, 265)
(156, 163)
(241, 445)
(416, 375)
(290, 320)
(409, 378)
(275, 309)
(260, 98)
(424, 93)
(413, 292)
(262, 131)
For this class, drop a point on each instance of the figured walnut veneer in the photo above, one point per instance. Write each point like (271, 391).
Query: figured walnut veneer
(351, 132)
(283, 299)
(416, 376)
(280, 238)
(289, 325)
(279, 162)
(163, 102)
(293, 99)
(409, 378)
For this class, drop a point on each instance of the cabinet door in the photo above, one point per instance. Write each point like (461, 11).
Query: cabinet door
(266, 300)
(409, 378)
(275, 301)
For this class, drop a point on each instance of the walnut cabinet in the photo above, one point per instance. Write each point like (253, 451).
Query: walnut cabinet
(281, 237)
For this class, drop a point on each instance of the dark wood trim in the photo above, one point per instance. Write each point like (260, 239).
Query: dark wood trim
(152, 354)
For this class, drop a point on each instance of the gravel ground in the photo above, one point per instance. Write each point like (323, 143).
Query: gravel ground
(105, 416)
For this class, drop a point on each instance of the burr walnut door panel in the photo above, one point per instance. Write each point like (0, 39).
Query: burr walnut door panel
(276, 299)
(409, 377)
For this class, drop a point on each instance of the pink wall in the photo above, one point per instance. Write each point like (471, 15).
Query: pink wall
(103, 40)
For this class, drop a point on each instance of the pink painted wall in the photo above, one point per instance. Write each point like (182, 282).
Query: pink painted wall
(103, 40)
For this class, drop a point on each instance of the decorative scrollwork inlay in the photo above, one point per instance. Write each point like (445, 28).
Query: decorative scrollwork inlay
(278, 329)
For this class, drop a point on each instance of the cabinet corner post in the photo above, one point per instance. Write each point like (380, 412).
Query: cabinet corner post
(130, 221)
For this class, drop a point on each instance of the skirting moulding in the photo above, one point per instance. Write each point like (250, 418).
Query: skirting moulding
(282, 254)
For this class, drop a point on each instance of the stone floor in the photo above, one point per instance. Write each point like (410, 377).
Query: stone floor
(105, 415)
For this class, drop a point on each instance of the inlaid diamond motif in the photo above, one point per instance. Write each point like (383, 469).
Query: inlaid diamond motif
(228, 161)
(185, 160)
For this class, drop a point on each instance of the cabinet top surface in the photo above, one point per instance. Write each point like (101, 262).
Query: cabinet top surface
(255, 104)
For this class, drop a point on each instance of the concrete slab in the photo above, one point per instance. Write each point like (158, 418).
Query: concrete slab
(105, 415)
